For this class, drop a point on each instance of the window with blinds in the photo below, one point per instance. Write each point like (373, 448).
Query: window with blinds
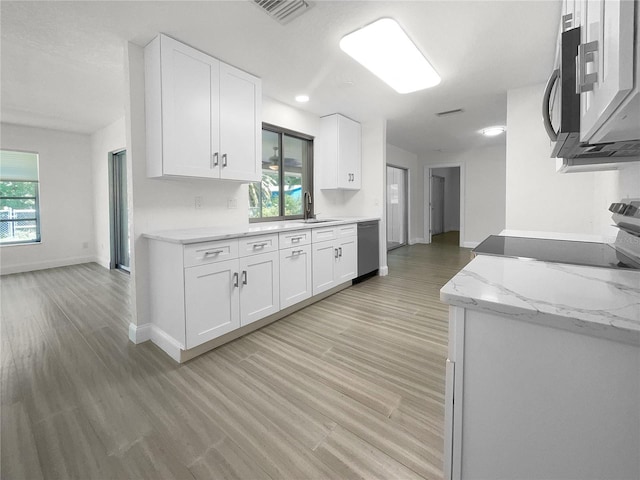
(19, 205)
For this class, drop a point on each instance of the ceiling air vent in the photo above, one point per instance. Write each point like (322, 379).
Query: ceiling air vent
(283, 10)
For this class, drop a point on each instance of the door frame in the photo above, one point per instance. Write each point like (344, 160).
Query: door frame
(112, 226)
(427, 195)
(407, 203)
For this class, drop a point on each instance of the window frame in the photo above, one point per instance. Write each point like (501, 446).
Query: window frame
(307, 180)
(36, 198)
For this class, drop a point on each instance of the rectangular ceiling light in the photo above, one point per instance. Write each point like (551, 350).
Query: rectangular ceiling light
(383, 48)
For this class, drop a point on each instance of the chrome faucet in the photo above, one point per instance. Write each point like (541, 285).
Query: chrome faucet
(307, 205)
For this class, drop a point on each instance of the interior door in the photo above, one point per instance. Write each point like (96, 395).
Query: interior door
(396, 207)
(437, 205)
(120, 242)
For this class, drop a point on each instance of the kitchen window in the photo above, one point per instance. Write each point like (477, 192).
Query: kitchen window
(19, 198)
(287, 176)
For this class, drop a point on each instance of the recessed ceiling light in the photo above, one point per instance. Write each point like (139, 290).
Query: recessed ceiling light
(302, 98)
(493, 131)
(386, 50)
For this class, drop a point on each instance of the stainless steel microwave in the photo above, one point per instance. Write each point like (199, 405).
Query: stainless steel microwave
(561, 93)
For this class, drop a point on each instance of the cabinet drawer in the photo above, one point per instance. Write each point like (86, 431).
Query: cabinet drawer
(322, 234)
(346, 230)
(293, 239)
(210, 252)
(259, 244)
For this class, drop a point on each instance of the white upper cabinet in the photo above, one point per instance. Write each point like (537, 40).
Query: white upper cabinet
(203, 116)
(339, 162)
(610, 102)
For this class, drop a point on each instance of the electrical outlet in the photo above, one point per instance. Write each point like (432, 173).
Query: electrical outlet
(232, 203)
(198, 203)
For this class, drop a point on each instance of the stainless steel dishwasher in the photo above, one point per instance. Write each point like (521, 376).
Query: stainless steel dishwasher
(368, 250)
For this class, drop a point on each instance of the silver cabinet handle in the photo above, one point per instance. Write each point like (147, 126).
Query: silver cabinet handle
(224, 159)
(295, 239)
(340, 248)
(335, 255)
(235, 279)
(296, 252)
(244, 277)
(586, 54)
(260, 245)
(212, 252)
(214, 160)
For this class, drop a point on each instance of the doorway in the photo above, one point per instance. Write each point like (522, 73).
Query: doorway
(119, 212)
(444, 205)
(397, 207)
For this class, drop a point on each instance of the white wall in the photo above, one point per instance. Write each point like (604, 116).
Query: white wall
(66, 223)
(104, 142)
(451, 177)
(398, 157)
(482, 174)
(538, 198)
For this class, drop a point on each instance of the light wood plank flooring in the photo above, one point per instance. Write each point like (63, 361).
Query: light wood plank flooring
(350, 387)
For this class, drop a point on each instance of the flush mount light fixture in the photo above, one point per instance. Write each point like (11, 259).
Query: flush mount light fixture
(302, 98)
(385, 49)
(493, 131)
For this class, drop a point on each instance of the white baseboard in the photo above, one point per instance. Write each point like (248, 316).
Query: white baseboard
(30, 267)
(419, 240)
(103, 262)
(383, 271)
(142, 333)
(470, 244)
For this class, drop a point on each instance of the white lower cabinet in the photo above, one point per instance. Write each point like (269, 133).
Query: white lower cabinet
(295, 275)
(347, 264)
(204, 290)
(211, 301)
(334, 262)
(259, 287)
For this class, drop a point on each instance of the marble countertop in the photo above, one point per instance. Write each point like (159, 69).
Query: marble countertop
(594, 301)
(207, 234)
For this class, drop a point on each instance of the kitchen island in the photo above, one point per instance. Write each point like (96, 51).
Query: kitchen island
(543, 375)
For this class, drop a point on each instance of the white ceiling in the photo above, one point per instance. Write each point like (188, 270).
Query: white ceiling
(62, 62)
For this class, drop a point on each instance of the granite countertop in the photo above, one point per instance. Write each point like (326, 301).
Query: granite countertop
(207, 234)
(594, 301)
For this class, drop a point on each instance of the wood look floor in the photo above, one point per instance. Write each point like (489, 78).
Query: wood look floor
(350, 387)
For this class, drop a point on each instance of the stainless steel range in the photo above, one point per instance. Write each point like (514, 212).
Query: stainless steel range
(624, 253)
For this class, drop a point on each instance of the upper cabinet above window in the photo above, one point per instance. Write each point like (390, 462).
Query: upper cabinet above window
(339, 163)
(203, 117)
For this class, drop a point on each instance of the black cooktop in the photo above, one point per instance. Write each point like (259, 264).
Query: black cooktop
(559, 251)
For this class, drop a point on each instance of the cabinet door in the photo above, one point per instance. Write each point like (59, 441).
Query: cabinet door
(211, 301)
(324, 258)
(240, 125)
(188, 77)
(259, 286)
(347, 265)
(349, 144)
(610, 24)
(295, 275)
